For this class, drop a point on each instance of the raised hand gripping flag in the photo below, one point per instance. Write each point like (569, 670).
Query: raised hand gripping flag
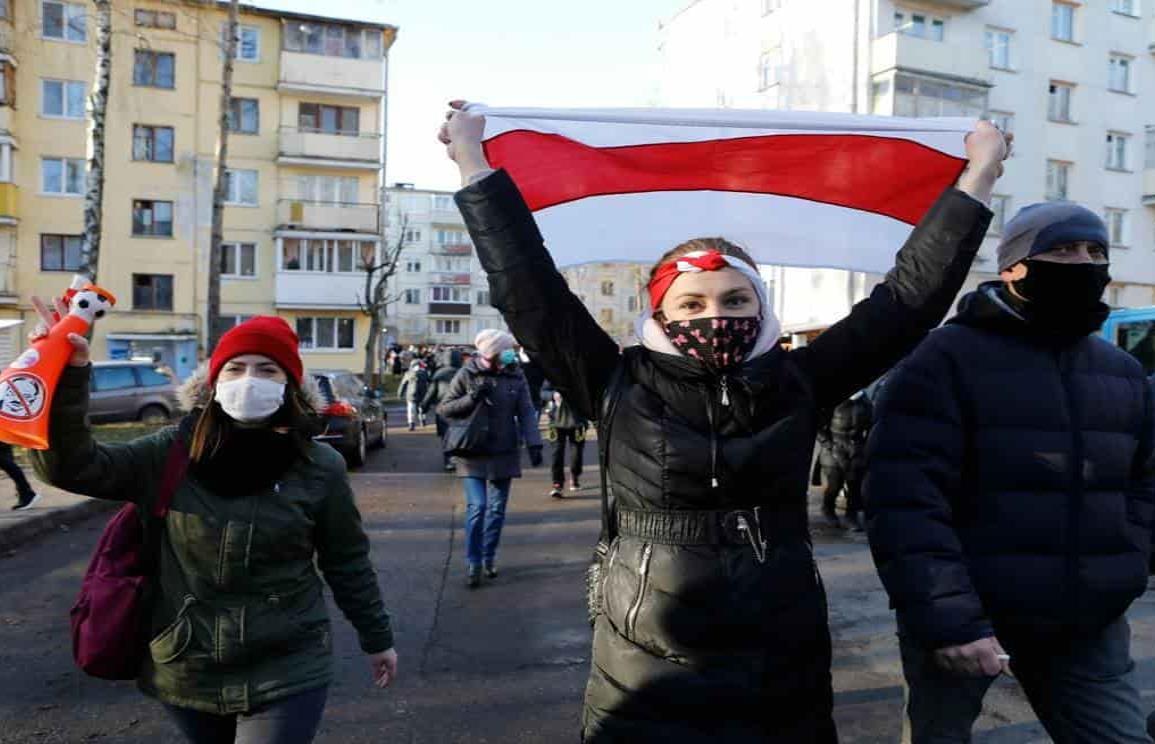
(793, 188)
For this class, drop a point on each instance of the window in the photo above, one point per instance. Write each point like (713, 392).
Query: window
(248, 43)
(113, 378)
(63, 21)
(1125, 7)
(62, 176)
(155, 19)
(1137, 338)
(443, 202)
(1062, 21)
(154, 144)
(447, 327)
(1117, 145)
(1116, 220)
(451, 237)
(924, 96)
(63, 98)
(412, 236)
(325, 334)
(1000, 204)
(999, 48)
(450, 263)
(329, 256)
(769, 65)
(61, 252)
(1058, 175)
(413, 267)
(317, 117)
(632, 304)
(7, 82)
(150, 377)
(412, 296)
(241, 187)
(483, 298)
(244, 115)
(238, 259)
(607, 289)
(449, 294)
(1004, 120)
(154, 69)
(334, 40)
(919, 24)
(152, 291)
(1059, 103)
(606, 316)
(152, 218)
(1149, 155)
(5, 9)
(769, 6)
(334, 190)
(1119, 73)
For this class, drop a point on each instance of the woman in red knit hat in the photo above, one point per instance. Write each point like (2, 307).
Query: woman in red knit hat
(241, 648)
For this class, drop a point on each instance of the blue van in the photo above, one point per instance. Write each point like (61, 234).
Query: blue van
(1133, 331)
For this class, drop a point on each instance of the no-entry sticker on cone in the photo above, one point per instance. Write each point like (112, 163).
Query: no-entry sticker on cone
(22, 397)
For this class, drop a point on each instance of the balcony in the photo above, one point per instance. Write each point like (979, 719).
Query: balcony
(317, 73)
(298, 214)
(318, 290)
(1149, 186)
(452, 249)
(9, 203)
(450, 308)
(958, 4)
(896, 51)
(446, 217)
(308, 147)
(456, 279)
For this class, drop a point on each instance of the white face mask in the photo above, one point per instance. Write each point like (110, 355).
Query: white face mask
(250, 399)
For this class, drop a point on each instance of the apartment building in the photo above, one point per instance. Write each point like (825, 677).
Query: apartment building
(441, 293)
(614, 294)
(1072, 80)
(305, 168)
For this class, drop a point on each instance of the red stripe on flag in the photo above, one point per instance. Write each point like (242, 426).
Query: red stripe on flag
(889, 176)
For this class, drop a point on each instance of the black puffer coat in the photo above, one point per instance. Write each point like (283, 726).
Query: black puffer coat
(978, 514)
(844, 438)
(700, 641)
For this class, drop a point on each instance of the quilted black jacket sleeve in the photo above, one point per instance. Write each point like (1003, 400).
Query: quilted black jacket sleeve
(533, 297)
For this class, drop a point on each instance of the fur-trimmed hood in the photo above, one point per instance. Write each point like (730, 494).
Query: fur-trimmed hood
(193, 393)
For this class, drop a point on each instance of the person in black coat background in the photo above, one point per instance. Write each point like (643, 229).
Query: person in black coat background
(1010, 494)
(843, 458)
(711, 624)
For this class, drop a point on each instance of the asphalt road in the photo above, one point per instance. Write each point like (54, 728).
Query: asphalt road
(503, 664)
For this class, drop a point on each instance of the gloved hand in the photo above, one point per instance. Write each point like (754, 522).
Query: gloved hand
(535, 458)
(482, 391)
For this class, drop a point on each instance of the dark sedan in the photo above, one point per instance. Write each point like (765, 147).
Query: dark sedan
(353, 415)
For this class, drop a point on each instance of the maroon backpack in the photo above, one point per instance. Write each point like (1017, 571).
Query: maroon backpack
(110, 620)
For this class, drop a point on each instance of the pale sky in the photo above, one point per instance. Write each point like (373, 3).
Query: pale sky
(502, 52)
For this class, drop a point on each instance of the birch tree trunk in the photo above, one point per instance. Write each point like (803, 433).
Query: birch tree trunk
(98, 111)
(219, 192)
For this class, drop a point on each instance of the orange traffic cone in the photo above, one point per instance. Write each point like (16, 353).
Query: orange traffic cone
(28, 385)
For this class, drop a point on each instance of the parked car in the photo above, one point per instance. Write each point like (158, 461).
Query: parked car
(353, 415)
(131, 391)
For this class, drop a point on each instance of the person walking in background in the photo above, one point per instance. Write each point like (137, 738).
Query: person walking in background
(567, 427)
(534, 377)
(412, 390)
(26, 496)
(843, 459)
(241, 644)
(438, 388)
(1010, 491)
(494, 380)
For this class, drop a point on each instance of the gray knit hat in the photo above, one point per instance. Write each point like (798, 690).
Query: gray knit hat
(1039, 228)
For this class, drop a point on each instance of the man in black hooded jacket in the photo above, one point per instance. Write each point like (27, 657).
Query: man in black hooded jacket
(1010, 494)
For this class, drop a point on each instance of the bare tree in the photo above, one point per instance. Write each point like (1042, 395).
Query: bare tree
(229, 54)
(98, 112)
(376, 298)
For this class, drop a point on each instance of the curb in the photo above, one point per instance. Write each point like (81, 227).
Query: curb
(16, 535)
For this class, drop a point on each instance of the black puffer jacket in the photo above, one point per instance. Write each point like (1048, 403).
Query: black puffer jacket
(700, 641)
(843, 440)
(978, 513)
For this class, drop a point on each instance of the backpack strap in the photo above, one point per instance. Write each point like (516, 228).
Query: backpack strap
(610, 400)
(175, 467)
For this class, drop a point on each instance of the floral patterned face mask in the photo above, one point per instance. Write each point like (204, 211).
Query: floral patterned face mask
(719, 343)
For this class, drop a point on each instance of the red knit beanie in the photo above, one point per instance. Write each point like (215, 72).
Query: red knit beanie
(265, 335)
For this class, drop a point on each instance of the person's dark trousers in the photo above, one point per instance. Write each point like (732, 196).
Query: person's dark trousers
(854, 497)
(292, 720)
(9, 466)
(1080, 689)
(835, 478)
(569, 436)
(442, 427)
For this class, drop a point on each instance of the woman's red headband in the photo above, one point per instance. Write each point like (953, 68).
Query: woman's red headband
(666, 274)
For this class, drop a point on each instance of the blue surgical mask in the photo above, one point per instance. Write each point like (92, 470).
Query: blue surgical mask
(508, 357)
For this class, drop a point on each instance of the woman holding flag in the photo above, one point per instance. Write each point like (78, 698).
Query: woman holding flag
(710, 617)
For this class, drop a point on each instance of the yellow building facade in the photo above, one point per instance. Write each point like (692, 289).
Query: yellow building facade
(305, 159)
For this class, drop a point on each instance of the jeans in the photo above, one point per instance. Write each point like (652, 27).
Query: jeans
(1081, 691)
(413, 413)
(8, 465)
(484, 516)
(291, 720)
(575, 465)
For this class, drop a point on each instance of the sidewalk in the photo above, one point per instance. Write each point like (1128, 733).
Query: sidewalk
(56, 510)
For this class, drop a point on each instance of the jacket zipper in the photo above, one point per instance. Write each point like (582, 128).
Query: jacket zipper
(724, 398)
(1076, 507)
(643, 579)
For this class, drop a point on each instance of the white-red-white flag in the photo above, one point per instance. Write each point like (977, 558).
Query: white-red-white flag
(794, 188)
